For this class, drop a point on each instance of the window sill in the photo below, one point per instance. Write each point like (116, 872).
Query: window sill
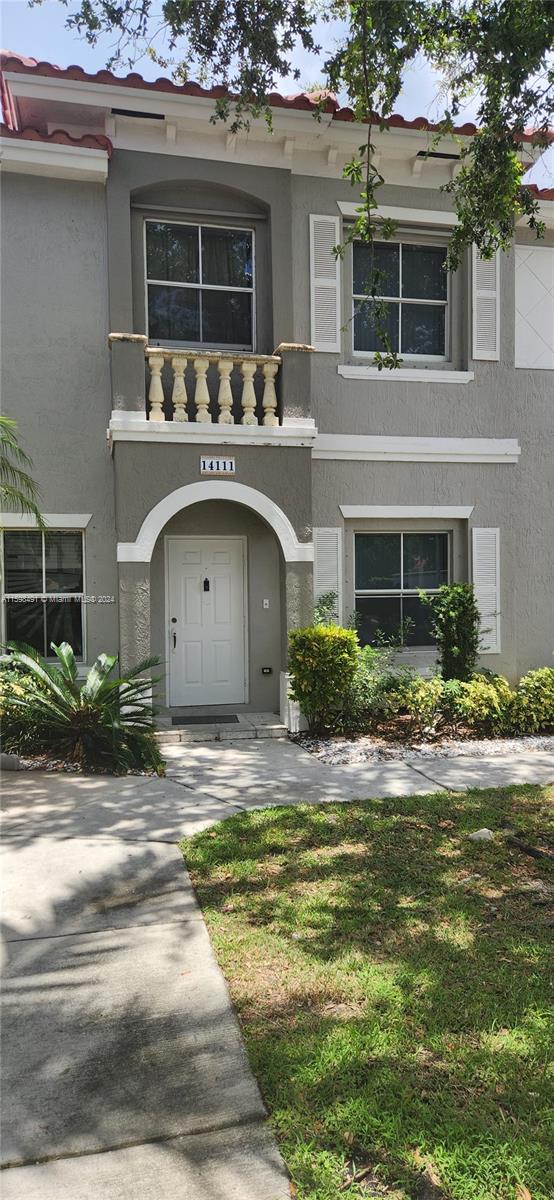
(404, 374)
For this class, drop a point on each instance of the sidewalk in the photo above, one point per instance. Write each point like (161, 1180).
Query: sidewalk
(122, 1055)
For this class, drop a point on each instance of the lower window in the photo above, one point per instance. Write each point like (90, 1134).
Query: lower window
(44, 588)
(391, 569)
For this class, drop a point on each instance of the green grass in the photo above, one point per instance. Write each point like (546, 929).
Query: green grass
(393, 984)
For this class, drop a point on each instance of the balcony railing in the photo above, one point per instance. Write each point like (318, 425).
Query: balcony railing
(213, 386)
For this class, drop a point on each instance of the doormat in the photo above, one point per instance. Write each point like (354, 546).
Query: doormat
(205, 720)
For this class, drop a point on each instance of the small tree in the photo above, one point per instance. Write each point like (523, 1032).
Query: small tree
(455, 626)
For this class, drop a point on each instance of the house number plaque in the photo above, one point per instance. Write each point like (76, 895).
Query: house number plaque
(217, 466)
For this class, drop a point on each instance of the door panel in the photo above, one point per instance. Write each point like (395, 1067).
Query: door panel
(206, 621)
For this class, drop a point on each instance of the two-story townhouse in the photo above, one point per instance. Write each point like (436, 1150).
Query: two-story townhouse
(192, 371)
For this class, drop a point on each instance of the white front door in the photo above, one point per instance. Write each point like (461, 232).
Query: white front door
(206, 620)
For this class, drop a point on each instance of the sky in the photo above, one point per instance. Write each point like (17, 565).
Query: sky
(40, 32)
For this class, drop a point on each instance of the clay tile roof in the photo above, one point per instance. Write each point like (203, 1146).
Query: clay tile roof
(302, 101)
(94, 141)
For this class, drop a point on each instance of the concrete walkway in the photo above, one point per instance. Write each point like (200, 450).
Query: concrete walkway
(122, 1057)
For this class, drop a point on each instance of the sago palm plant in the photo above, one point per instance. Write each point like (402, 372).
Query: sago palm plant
(103, 722)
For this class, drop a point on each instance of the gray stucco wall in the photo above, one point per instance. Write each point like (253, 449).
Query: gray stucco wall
(146, 473)
(187, 181)
(55, 367)
(56, 382)
(516, 499)
(264, 568)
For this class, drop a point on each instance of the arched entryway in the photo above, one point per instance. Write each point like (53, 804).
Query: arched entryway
(224, 576)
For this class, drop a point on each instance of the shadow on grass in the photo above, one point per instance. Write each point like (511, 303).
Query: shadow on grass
(393, 981)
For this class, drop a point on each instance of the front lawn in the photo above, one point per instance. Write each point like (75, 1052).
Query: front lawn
(393, 984)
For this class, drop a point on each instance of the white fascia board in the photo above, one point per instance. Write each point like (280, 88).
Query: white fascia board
(408, 216)
(129, 427)
(404, 374)
(407, 511)
(356, 448)
(53, 520)
(53, 160)
(326, 132)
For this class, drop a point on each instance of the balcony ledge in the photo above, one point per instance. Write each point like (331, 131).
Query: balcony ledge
(134, 427)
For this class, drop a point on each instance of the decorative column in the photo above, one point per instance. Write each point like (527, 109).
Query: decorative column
(225, 395)
(156, 391)
(201, 393)
(179, 394)
(269, 401)
(248, 370)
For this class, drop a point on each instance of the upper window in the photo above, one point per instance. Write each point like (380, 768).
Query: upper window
(200, 285)
(391, 570)
(412, 285)
(43, 589)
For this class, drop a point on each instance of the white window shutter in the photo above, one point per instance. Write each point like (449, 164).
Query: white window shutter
(486, 306)
(328, 564)
(486, 583)
(324, 283)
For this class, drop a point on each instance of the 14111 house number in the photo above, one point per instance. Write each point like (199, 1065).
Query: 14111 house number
(217, 466)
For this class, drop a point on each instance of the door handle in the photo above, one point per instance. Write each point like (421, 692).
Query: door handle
(174, 635)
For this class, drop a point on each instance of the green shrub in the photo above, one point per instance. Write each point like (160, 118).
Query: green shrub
(455, 627)
(371, 696)
(534, 701)
(423, 700)
(486, 704)
(322, 664)
(101, 722)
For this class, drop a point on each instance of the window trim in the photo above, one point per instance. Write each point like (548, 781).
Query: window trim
(199, 287)
(401, 591)
(409, 239)
(44, 595)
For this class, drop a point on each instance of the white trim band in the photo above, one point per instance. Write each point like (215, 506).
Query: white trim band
(133, 427)
(53, 520)
(357, 448)
(456, 511)
(53, 160)
(408, 216)
(214, 489)
(404, 374)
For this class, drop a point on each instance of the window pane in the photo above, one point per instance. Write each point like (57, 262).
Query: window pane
(383, 270)
(366, 336)
(423, 273)
(25, 623)
(172, 252)
(423, 329)
(377, 615)
(227, 318)
(417, 622)
(425, 560)
(377, 561)
(227, 257)
(23, 562)
(64, 624)
(173, 314)
(64, 562)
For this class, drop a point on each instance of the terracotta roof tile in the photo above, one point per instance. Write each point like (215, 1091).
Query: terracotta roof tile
(93, 141)
(303, 102)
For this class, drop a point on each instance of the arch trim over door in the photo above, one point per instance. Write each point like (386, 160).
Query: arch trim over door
(214, 489)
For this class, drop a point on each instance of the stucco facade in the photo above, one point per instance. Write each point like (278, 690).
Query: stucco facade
(458, 445)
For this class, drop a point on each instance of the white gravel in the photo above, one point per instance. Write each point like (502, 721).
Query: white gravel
(370, 749)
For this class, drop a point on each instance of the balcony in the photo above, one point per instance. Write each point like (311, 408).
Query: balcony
(220, 388)
(209, 395)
